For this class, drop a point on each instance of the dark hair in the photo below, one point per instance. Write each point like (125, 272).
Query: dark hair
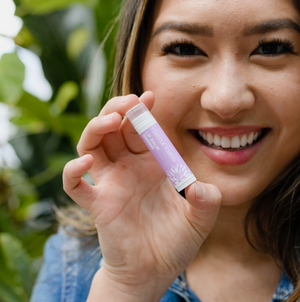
(272, 225)
(134, 27)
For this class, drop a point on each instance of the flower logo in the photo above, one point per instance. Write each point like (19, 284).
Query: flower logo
(178, 173)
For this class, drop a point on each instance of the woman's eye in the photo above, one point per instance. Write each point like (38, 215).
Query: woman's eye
(274, 48)
(184, 49)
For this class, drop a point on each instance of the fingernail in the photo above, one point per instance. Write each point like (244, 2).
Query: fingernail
(142, 94)
(126, 98)
(109, 116)
(82, 159)
(200, 191)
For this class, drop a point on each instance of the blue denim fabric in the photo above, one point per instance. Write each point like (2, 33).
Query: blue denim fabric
(284, 289)
(71, 262)
(69, 266)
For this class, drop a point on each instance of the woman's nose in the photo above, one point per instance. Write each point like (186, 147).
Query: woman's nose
(228, 92)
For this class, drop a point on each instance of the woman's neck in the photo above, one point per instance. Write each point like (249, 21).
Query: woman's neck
(228, 268)
(227, 240)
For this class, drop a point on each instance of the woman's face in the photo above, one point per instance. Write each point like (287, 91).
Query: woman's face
(226, 78)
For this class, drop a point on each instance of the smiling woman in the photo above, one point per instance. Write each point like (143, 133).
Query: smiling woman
(222, 79)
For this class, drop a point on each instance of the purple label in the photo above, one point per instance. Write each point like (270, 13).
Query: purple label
(166, 154)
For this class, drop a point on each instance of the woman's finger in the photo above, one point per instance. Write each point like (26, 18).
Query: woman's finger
(120, 104)
(95, 130)
(108, 121)
(74, 185)
(205, 201)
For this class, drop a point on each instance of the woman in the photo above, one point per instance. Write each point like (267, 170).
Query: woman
(222, 79)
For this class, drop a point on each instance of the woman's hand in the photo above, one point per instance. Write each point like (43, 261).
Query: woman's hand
(148, 233)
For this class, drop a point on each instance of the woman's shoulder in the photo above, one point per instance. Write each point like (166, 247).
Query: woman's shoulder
(70, 263)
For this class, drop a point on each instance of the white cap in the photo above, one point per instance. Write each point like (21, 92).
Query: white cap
(140, 117)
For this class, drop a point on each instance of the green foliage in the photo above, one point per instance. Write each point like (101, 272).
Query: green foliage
(66, 35)
(77, 42)
(67, 92)
(48, 6)
(12, 72)
(17, 269)
(35, 116)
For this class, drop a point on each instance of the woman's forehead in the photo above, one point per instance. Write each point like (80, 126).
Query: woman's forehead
(218, 11)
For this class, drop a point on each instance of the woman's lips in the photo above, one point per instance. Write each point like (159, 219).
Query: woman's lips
(230, 146)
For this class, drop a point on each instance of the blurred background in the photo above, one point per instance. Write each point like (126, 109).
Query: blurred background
(56, 61)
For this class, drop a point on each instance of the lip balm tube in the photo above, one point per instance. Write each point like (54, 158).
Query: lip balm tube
(160, 146)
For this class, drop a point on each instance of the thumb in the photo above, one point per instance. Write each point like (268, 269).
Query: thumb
(204, 204)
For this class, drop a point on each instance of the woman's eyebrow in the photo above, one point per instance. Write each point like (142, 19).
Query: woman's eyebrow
(269, 26)
(190, 28)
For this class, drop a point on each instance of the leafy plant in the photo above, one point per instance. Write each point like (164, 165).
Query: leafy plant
(66, 35)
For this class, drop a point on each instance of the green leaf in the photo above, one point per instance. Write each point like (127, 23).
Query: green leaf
(8, 294)
(55, 167)
(6, 223)
(12, 73)
(73, 125)
(35, 107)
(35, 114)
(18, 263)
(36, 111)
(58, 161)
(67, 92)
(48, 6)
(77, 42)
(16, 257)
(28, 123)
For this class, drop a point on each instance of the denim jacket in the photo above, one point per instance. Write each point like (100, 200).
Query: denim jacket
(71, 262)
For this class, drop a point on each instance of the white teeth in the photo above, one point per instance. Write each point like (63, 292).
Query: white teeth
(217, 140)
(226, 142)
(235, 142)
(244, 140)
(250, 138)
(210, 138)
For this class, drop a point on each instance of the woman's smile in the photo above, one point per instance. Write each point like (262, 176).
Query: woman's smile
(232, 138)
(230, 147)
